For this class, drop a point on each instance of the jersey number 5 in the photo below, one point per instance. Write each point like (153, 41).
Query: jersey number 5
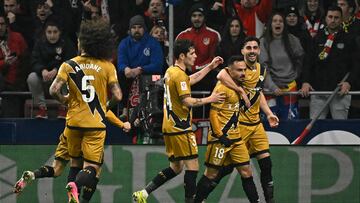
(87, 88)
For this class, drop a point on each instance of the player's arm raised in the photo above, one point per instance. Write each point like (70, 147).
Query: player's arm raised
(189, 101)
(196, 77)
(55, 90)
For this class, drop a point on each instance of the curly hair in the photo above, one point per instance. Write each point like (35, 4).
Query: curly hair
(96, 39)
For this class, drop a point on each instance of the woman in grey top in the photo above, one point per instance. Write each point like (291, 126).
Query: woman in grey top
(283, 55)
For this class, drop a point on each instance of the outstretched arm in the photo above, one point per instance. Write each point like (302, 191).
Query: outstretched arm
(192, 102)
(110, 116)
(196, 77)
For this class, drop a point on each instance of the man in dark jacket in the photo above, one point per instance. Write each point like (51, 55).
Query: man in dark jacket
(331, 58)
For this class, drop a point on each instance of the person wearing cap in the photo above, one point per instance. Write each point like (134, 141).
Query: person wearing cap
(205, 40)
(296, 26)
(139, 54)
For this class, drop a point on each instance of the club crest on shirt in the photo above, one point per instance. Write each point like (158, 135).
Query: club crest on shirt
(261, 78)
(206, 41)
(340, 45)
(146, 51)
(183, 86)
(58, 50)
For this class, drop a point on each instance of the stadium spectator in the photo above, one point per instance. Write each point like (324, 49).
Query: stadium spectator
(254, 15)
(232, 39)
(42, 13)
(138, 54)
(182, 8)
(13, 68)
(155, 14)
(332, 57)
(313, 17)
(205, 41)
(283, 55)
(297, 27)
(71, 13)
(159, 33)
(19, 21)
(215, 17)
(48, 54)
(180, 141)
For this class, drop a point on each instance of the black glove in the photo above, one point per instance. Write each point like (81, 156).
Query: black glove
(225, 141)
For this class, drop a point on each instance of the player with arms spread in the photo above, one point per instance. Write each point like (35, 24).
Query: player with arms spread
(180, 142)
(88, 78)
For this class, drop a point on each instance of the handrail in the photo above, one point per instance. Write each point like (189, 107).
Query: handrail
(8, 93)
(285, 93)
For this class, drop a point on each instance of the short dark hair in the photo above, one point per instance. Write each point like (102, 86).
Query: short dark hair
(96, 39)
(251, 38)
(234, 58)
(182, 46)
(334, 8)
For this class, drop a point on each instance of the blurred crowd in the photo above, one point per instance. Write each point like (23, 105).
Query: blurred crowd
(306, 45)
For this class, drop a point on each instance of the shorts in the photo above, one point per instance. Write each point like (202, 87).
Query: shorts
(88, 144)
(255, 138)
(61, 152)
(217, 155)
(181, 146)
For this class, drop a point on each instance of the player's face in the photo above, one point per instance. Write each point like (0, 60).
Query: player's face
(234, 28)
(3, 27)
(197, 19)
(52, 34)
(291, 19)
(190, 58)
(277, 25)
(333, 20)
(312, 5)
(251, 51)
(237, 71)
(137, 32)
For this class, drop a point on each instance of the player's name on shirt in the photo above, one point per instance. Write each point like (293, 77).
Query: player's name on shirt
(88, 66)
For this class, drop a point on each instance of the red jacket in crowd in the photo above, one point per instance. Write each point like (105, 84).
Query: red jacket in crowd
(205, 41)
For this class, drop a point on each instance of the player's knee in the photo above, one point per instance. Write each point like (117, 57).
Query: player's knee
(265, 163)
(245, 171)
(177, 169)
(211, 173)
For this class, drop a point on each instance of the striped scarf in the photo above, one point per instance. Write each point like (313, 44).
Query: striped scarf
(312, 29)
(327, 47)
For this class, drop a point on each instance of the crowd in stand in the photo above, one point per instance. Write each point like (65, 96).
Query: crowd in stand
(305, 45)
